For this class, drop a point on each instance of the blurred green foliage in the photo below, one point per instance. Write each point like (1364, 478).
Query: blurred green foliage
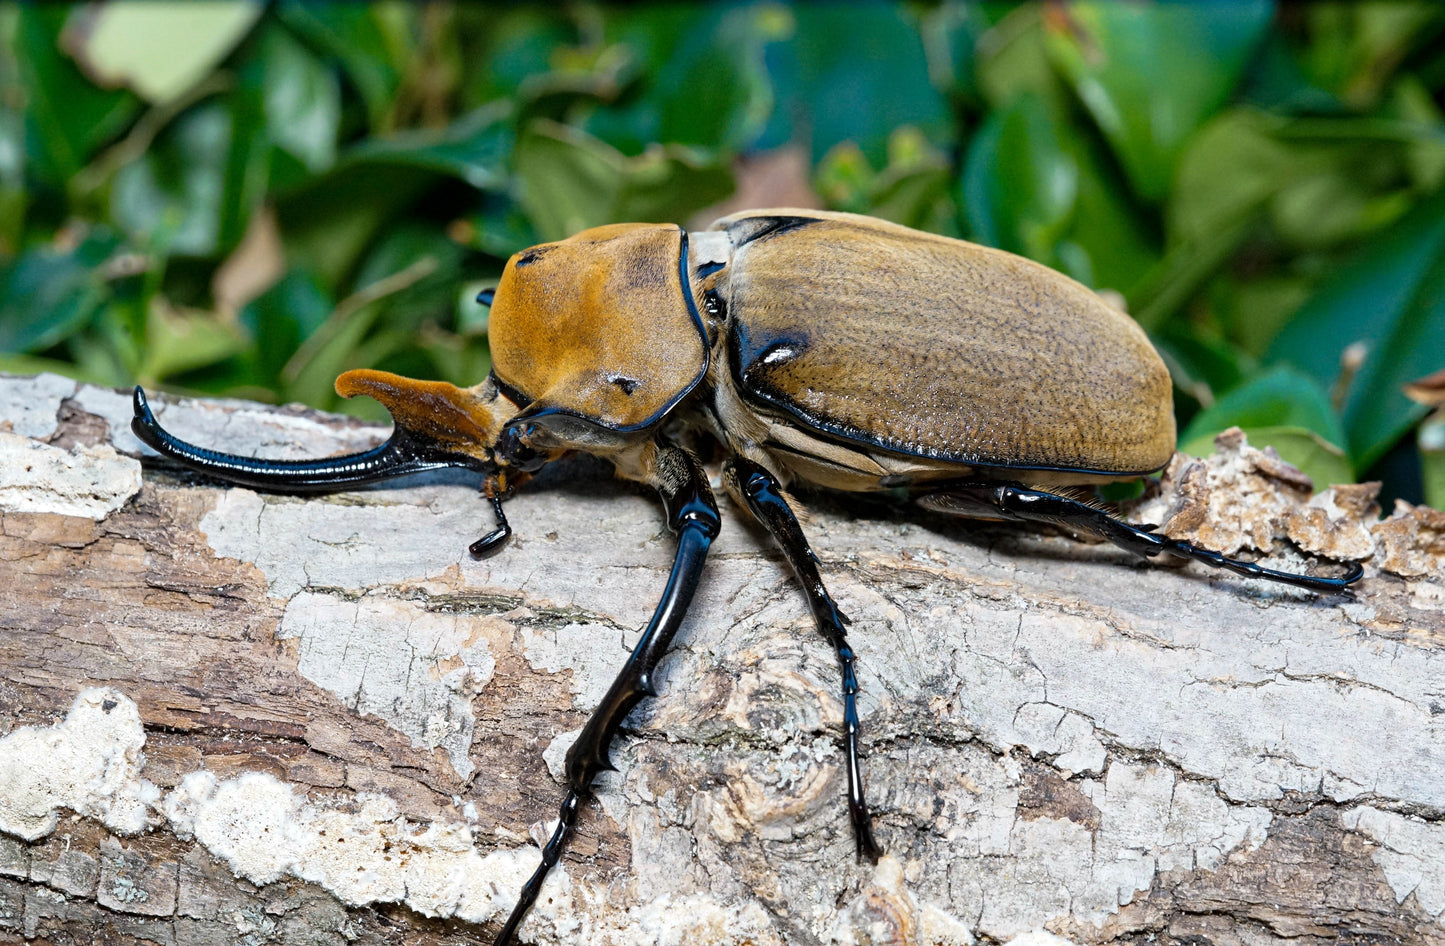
(229, 198)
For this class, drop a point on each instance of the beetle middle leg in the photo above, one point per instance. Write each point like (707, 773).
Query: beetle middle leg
(1019, 503)
(692, 514)
(764, 498)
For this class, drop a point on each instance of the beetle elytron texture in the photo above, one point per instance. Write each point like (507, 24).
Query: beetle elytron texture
(823, 348)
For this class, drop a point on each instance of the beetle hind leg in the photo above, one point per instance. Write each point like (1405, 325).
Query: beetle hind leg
(1019, 503)
(764, 498)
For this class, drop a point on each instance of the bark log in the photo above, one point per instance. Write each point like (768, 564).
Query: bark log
(228, 717)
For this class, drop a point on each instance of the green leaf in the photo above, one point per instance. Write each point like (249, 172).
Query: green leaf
(178, 187)
(1227, 173)
(914, 189)
(1255, 310)
(354, 35)
(951, 39)
(844, 178)
(572, 181)
(516, 46)
(159, 50)
(279, 319)
(1117, 241)
(1150, 74)
(302, 100)
(500, 227)
(1020, 181)
(179, 340)
(1339, 201)
(474, 148)
(1354, 49)
(852, 72)
(14, 195)
(1283, 398)
(1323, 462)
(328, 224)
(1432, 459)
(916, 197)
(705, 79)
(1412, 102)
(1015, 61)
(67, 118)
(427, 298)
(1390, 301)
(47, 295)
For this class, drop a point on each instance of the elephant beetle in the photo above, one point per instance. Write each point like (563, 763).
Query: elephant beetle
(827, 349)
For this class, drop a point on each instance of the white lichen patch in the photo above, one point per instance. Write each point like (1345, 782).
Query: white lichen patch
(1411, 854)
(1149, 822)
(356, 540)
(1254, 699)
(29, 406)
(1050, 730)
(363, 850)
(1039, 938)
(415, 669)
(90, 482)
(689, 920)
(593, 653)
(886, 911)
(89, 762)
(1152, 822)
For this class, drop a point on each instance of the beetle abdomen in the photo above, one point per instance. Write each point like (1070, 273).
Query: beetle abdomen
(932, 347)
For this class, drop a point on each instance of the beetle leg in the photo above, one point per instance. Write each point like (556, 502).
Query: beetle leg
(494, 488)
(764, 497)
(692, 514)
(995, 501)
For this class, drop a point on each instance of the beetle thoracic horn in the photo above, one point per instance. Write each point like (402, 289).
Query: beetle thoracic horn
(437, 425)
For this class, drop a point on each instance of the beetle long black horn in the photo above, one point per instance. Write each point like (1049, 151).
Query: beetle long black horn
(400, 455)
(437, 426)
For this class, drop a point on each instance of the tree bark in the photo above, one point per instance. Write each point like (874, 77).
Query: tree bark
(229, 717)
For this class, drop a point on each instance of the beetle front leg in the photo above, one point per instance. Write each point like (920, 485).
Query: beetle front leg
(692, 514)
(764, 497)
(1005, 501)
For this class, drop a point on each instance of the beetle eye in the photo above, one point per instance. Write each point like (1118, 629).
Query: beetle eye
(628, 385)
(517, 454)
(486, 296)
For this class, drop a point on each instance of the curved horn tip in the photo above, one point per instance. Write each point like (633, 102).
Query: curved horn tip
(361, 381)
(144, 418)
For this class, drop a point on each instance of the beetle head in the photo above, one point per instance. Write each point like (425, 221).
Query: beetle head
(592, 335)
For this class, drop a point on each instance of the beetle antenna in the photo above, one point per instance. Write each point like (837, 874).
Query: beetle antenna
(492, 542)
(404, 452)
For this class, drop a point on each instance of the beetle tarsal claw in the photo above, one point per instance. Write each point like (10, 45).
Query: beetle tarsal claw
(492, 542)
